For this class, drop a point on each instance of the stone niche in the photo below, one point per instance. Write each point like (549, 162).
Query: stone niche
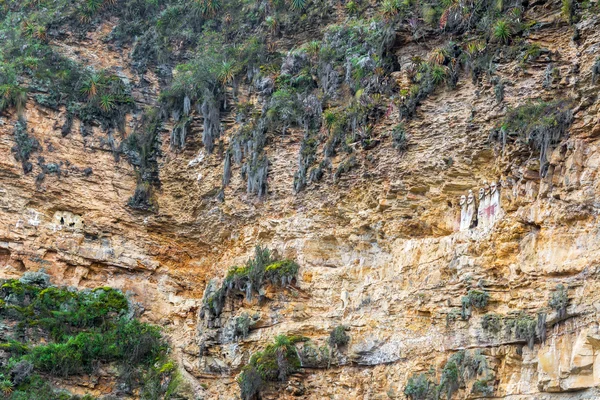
(66, 219)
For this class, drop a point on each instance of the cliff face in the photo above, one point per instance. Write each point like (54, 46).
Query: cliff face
(379, 248)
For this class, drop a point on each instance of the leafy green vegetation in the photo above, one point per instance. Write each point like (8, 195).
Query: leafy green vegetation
(202, 51)
(475, 298)
(28, 64)
(242, 326)
(25, 145)
(249, 279)
(442, 68)
(559, 301)
(523, 327)
(12, 95)
(492, 323)
(142, 148)
(568, 10)
(399, 137)
(313, 357)
(338, 337)
(421, 387)
(502, 31)
(79, 331)
(274, 364)
(460, 368)
(541, 125)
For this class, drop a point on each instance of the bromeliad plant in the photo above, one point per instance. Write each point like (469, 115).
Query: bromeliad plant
(250, 278)
(274, 364)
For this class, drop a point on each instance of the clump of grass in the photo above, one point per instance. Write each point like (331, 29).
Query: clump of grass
(502, 31)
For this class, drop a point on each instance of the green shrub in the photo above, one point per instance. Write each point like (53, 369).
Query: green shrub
(12, 95)
(242, 326)
(399, 137)
(523, 327)
(81, 330)
(281, 272)
(559, 301)
(491, 322)
(449, 381)
(208, 8)
(502, 31)
(274, 364)
(475, 298)
(390, 8)
(438, 74)
(313, 357)
(568, 10)
(38, 278)
(25, 145)
(250, 278)
(539, 124)
(482, 387)
(420, 387)
(460, 368)
(338, 336)
(478, 298)
(352, 7)
(298, 4)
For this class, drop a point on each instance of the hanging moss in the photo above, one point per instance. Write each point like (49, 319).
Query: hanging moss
(461, 368)
(25, 145)
(247, 149)
(522, 327)
(559, 301)
(308, 150)
(226, 170)
(142, 149)
(257, 171)
(492, 323)
(212, 125)
(541, 326)
(250, 278)
(541, 125)
(475, 298)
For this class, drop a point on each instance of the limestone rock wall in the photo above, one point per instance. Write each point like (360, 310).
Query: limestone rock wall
(380, 250)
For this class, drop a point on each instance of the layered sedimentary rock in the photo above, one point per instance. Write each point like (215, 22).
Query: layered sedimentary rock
(383, 250)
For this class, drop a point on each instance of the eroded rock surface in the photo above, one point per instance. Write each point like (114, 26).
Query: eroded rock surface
(382, 250)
